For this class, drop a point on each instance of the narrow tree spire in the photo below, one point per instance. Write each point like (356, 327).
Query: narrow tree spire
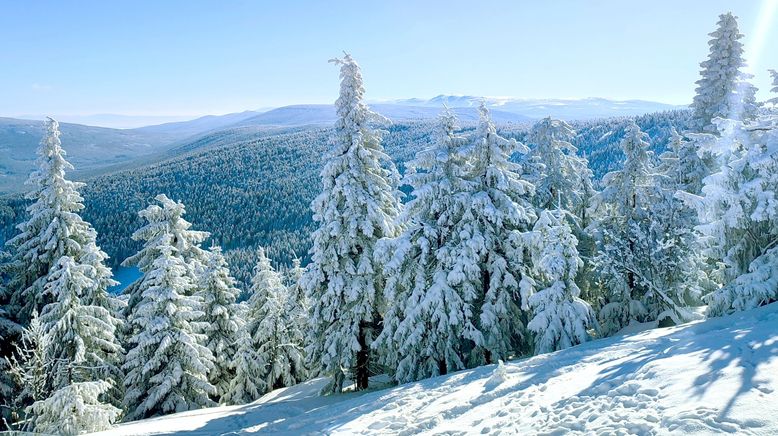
(358, 206)
(723, 90)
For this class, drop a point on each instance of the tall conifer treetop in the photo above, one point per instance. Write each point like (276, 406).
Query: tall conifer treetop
(358, 206)
(723, 90)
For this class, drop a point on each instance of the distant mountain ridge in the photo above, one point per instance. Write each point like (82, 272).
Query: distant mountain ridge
(324, 114)
(567, 109)
(94, 150)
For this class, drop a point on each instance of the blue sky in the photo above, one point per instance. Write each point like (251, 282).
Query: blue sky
(198, 57)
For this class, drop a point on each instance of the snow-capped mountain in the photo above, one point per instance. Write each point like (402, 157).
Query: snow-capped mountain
(324, 114)
(568, 109)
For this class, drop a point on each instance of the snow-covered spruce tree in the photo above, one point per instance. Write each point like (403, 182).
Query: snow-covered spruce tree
(774, 100)
(167, 364)
(219, 295)
(680, 173)
(633, 260)
(10, 333)
(740, 218)
(279, 358)
(78, 335)
(74, 409)
(560, 319)
(358, 206)
(27, 369)
(562, 179)
(723, 90)
(490, 259)
(427, 319)
(247, 385)
(53, 230)
(687, 168)
(165, 220)
(297, 307)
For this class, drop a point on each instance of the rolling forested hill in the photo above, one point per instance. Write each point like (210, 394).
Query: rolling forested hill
(253, 185)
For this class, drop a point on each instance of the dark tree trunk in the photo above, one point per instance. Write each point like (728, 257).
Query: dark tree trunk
(363, 358)
(442, 368)
(485, 279)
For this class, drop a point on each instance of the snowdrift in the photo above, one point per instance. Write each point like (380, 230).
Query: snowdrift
(716, 376)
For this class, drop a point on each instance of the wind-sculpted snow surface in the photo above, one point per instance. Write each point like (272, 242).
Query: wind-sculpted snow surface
(716, 376)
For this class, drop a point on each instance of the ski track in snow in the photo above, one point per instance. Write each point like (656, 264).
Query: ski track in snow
(717, 376)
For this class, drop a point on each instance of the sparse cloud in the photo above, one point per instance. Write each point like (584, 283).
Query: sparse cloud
(40, 87)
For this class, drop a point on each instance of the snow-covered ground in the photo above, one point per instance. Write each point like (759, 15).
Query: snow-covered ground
(716, 376)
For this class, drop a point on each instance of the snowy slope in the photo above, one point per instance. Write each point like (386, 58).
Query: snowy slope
(715, 376)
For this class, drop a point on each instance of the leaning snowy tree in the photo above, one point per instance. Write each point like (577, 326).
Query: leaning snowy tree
(490, 259)
(167, 363)
(723, 91)
(358, 206)
(219, 295)
(273, 330)
(427, 319)
(637, 261)
(560, 319)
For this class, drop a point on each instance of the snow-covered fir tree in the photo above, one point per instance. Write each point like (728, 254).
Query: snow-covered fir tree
(166, 220)
(680, 173)
(636, 258)
(167, 363)
(297, 306)
(774, 100)
(358, 206)
(560, 319)
(54, 229)
(273, 332)
(490, 260)
(55, 237)
(10, 332)
(74, 409)
(219, 295)
(689, 164)
(247, 385)
(78, 335)
(723, 90)
(738, 212)
(562, 179)
(428, 320)
(27, 371)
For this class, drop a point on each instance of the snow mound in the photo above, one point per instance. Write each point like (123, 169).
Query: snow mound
(717, 376)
